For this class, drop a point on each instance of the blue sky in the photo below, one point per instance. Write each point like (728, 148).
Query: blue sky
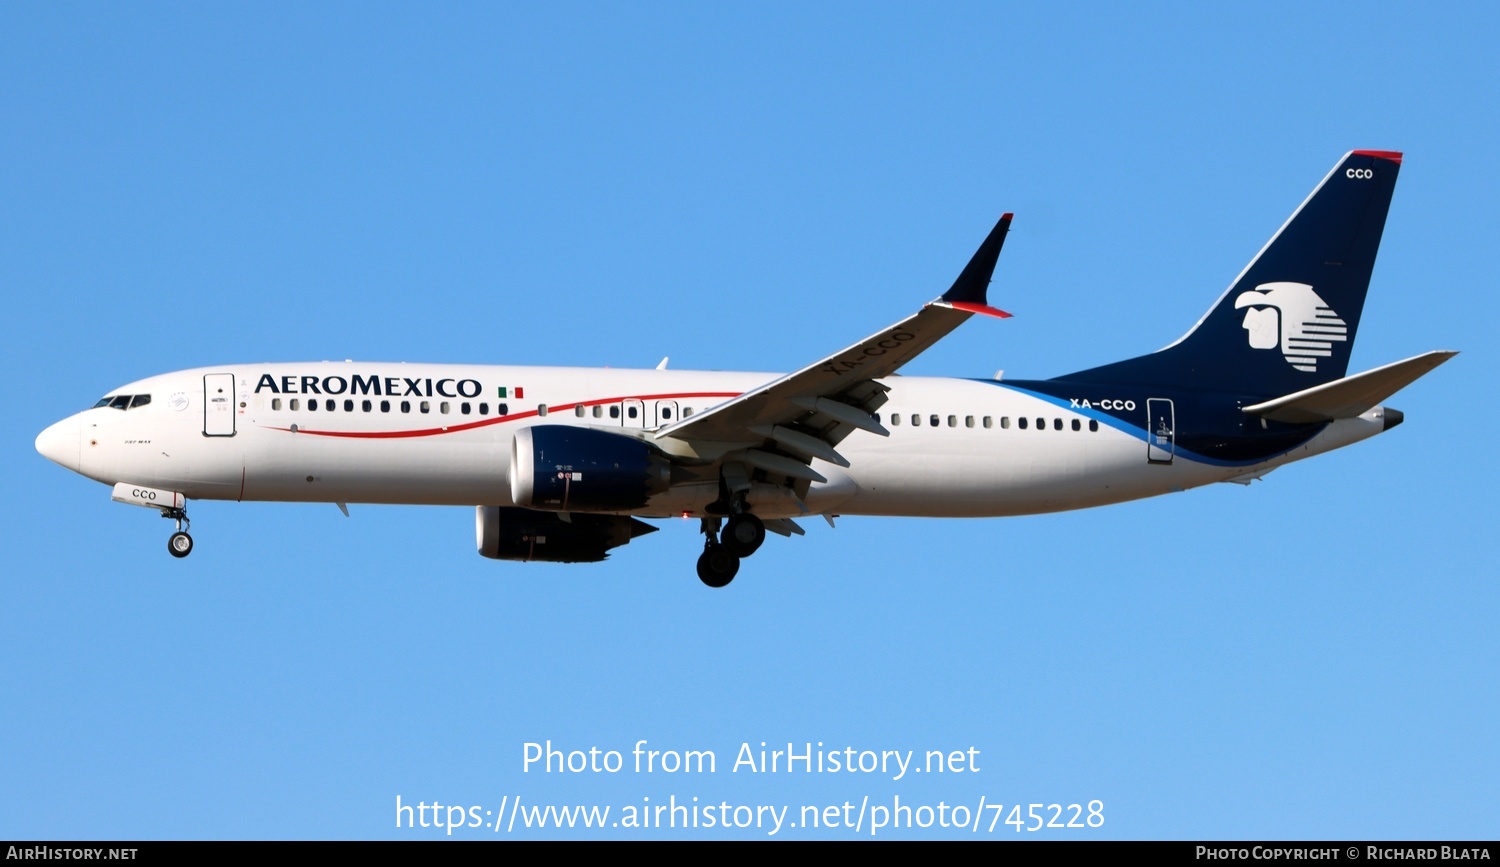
(739, 186)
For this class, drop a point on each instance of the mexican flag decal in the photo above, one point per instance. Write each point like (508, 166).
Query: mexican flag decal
(519, 392)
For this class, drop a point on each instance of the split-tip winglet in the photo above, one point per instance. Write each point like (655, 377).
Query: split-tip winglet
(973, 282)
(970, 307)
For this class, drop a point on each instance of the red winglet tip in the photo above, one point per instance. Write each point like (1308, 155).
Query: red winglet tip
(1393, 156)
(971, 307)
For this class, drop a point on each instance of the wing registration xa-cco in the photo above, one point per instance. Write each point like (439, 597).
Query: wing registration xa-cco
(566, 464)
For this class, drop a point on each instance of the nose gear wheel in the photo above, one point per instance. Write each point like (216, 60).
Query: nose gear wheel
(180, 544)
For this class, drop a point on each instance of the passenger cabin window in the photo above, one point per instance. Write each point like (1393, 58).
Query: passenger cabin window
(406, 406)
(1005, 422)
(385, 406)
(631, 411)
(614, 412)
(348, 405)
(598, 411)
(312, 406)
(502, 409)
(1021, 422)
(989, 422)
(275, 404)
(952, 421)
(463, 408)
(916, 420)
(365, 406)
(444, 407)
(1041, 424)
(1093, 424)
(425, 406)
(687, 411)
(895, 419)
(484, 409)
(578, 410)
(294, 404)
(1077, 425)
(329, 405)
(1057, 424)
(541, 409)
(666, 413)
(933, 419)
(969, 421)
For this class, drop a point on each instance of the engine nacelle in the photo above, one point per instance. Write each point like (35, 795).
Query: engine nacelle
(506, 533)
(564, 468)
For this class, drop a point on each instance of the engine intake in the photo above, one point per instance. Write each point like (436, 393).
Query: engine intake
(506, 533)
(564, 468)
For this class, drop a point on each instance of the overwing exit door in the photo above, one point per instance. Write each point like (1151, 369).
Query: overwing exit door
(632, 413)
(1161, 430)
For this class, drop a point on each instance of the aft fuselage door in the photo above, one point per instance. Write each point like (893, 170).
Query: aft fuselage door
(218, 405)
(1161, 430)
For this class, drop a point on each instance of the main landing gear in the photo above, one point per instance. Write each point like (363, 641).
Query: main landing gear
(742, 536)
(180, 544)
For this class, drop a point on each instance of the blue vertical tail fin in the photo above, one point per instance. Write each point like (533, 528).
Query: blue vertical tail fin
(1288, 321)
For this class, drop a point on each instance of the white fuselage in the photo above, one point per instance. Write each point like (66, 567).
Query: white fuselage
(442, 434)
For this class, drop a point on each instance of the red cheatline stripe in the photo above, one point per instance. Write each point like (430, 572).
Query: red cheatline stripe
(455, 428)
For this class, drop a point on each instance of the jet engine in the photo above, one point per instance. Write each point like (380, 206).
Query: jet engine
(505, 533)
(563, 468)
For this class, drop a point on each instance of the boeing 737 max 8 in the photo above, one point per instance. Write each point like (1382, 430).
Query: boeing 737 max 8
(563, 463)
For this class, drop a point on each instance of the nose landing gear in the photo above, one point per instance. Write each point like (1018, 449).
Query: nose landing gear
(180, 544)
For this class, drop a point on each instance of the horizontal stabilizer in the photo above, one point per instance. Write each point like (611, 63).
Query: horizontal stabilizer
(1350, 396)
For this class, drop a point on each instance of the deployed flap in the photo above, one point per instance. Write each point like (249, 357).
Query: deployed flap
(878, 355)
(1350, 396)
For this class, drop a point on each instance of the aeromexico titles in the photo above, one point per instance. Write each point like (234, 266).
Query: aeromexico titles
(563, 464)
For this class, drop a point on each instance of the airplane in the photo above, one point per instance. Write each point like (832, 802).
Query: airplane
(562, 464)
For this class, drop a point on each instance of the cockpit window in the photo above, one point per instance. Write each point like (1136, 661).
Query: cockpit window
(123, 401)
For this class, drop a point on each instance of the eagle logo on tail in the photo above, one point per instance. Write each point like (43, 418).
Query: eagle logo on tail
(1292, 316)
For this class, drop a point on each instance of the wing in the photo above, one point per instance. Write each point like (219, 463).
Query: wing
(806, 414)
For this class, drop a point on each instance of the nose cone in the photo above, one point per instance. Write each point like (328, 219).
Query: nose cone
(59, 443)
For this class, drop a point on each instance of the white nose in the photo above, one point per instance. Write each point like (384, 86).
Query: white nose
(59, 443)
